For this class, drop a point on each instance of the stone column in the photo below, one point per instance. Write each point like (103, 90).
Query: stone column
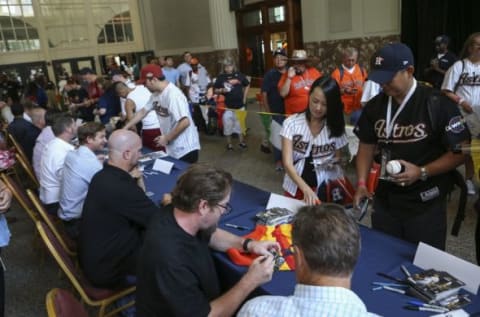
(224, 30)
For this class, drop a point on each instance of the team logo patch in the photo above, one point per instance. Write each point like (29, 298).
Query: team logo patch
(378, 61)
(430, 194)
(456, 125)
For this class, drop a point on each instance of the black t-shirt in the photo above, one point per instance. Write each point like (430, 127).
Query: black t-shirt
(234, 81)
(444, 63)
(417, 137)
(114, 218)
(176, 275)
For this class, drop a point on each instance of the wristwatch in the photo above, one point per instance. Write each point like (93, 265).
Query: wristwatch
(423, 173)
(246, 243)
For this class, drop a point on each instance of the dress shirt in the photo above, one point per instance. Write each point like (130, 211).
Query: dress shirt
(78, 170)
(308, 301)
(43, 138)
(51, 169)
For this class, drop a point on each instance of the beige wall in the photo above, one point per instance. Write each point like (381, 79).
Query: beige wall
(171, 27)
(343, 19)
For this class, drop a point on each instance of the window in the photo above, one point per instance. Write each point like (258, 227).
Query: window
(252, 18)
(16, 33)
(276, 14)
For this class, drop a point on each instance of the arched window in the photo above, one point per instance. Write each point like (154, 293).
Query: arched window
(118, 29)
(16, 34)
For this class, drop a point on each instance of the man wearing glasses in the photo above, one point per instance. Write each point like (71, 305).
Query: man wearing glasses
(179, 133)
(176, 275)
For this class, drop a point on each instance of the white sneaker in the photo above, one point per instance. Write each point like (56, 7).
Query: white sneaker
(470, 187)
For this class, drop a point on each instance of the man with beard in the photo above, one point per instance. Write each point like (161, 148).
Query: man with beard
(176, 274)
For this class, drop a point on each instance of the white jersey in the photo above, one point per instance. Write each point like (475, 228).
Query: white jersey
(322, 148)
(463, 78)
(140, 95)
(171, 105)
(467, 76)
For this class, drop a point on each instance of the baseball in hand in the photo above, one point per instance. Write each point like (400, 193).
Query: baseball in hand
(394, 167)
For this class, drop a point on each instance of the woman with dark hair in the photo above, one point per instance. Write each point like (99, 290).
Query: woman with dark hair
(462, 85)
(311, 142)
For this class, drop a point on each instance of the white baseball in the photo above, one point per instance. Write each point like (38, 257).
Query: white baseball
(394, 167)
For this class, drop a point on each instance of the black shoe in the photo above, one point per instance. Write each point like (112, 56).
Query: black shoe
(265, 149)
(242, 145)
(229, 147)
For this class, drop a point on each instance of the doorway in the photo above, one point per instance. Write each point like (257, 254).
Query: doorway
(262, 28)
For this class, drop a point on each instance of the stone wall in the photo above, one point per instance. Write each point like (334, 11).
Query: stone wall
(328, 54)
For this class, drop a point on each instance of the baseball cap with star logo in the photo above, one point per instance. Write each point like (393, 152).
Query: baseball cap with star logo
(389, 60)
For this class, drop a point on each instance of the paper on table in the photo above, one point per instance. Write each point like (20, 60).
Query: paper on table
(428, 257)
(162, 166)
(280, 201)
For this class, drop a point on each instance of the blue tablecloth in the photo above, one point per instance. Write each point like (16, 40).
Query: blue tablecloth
(380, 252)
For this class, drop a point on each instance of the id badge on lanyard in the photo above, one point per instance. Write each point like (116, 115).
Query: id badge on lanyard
(385, 151)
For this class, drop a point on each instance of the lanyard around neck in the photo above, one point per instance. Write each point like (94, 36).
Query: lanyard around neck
(390, 122)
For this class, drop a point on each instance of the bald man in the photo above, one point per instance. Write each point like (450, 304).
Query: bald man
(115, 214)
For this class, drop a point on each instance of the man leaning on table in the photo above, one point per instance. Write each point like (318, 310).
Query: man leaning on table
(176, 275)
(326, 246)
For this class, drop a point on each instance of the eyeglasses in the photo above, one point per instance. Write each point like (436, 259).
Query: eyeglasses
(227, 208)
(149, 77)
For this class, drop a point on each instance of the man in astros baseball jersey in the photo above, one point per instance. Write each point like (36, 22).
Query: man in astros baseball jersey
(424, 131)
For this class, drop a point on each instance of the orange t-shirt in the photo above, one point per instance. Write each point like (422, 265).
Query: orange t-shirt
(351, 102)
(297, 99)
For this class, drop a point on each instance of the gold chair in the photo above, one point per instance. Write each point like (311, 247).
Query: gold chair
(92, 296)
(61, 303)
(17, 146)
(67, 243)
(20, 195)
(27, 167)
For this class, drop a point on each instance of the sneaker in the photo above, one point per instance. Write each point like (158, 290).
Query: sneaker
(229, 147)
(242, 145)
(470, 187)
(265, 148)
(279, 166)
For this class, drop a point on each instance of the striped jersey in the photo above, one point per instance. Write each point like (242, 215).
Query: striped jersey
(140, 95)
(171, 105)
(322, 147)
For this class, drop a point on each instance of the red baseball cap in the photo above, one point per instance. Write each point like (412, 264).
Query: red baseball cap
(149, 70)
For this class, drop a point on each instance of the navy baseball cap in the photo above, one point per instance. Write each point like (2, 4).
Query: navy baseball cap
(442, 39)
(389, 60)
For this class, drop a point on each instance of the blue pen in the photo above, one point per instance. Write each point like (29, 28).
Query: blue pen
(422, 304)
(389, 284)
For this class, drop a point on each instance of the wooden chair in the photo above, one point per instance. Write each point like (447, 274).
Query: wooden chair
(67, 243)
(61, 303)
(17, 146)
(92, 296)
(20, 195)
(27, 167)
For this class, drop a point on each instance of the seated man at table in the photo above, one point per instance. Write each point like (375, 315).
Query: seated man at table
(326, 246)
(115, 215)
(176, 275)
(79, 167)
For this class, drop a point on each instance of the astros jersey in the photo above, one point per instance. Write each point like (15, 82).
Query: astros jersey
(354, 80)
(417, 137)
(322, 147)
(171, 106)
(297, 99)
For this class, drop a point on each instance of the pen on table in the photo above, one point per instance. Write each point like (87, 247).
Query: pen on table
(407, 273)
(393, 289)
(419, 308)
(231, 225)
(389, 284)
(390, 277)
(422, 304)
